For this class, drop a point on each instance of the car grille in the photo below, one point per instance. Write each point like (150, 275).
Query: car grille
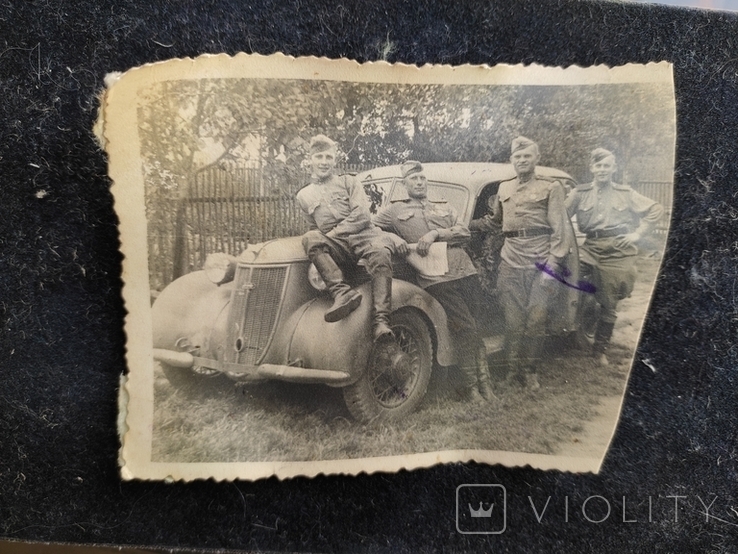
(254, 310)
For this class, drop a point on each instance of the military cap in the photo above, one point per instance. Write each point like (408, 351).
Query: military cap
(410, 167)
(521, 143)
(599, 154)
(321, 143)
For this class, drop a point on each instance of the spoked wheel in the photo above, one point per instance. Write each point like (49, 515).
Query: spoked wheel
(397, 375)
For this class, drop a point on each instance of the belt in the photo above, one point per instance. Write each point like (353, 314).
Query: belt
(531, 232)
(604, 233)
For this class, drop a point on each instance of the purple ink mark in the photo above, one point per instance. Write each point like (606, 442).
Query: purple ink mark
(583, 286)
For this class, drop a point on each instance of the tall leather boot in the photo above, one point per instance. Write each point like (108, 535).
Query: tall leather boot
(384, 337)
(603, 334)
(382, 306)
(514, 361)
(468, 371)
(483, 380)
(345, 299)
(533, 357)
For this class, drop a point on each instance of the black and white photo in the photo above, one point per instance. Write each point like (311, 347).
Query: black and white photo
(342, 268)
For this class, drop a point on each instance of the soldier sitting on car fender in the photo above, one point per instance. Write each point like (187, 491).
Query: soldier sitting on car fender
(420, 220)
(337, 210)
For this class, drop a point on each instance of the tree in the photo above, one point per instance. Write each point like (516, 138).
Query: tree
(187, 126)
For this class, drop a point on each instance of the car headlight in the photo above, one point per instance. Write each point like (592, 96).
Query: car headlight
(220, 268)
(316, 281)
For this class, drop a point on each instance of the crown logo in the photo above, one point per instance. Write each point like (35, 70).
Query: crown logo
(481, 512)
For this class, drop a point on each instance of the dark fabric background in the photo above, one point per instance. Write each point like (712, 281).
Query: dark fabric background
(62, 345)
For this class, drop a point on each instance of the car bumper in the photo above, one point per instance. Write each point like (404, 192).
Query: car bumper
(241, 372)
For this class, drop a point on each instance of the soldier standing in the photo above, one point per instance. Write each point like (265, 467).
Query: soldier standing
(420, 220)
(337, 210)
(614, 218)
(538, 238)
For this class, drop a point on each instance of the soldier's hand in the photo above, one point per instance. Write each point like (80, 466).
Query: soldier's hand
(425, 242)
(400, 244)
(625, 241)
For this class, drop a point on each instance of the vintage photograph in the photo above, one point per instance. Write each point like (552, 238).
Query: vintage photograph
(333, 267)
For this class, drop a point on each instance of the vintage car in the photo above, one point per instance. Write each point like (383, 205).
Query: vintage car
(260, 315)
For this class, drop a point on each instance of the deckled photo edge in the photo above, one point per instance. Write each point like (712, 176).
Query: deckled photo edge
(120, 120)
(280, 66)
(254, 471)
(122, 146)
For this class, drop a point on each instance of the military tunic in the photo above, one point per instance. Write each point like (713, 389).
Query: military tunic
(412, 218)
(616, 208)
(535, 204)
(337, 211)
(538, 234)
(606, 213)
(458, 291)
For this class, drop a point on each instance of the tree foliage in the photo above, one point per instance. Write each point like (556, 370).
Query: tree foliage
(188, 126)
(185, 125)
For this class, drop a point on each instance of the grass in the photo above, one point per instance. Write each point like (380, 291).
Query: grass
(274, 421)
(222, 422)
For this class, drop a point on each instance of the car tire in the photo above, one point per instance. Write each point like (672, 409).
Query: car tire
(396, 378)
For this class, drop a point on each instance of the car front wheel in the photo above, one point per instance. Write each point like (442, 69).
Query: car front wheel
(397, 375)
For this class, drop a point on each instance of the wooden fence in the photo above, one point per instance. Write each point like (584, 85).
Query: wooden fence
(663, 193)
(225, 209)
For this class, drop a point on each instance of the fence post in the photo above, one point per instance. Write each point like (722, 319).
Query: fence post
(179, 265)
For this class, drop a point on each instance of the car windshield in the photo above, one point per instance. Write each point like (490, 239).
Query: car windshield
(456, 196)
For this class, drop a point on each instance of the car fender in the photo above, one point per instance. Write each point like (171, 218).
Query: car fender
(345, 345)
(193, 311)
(406, 294)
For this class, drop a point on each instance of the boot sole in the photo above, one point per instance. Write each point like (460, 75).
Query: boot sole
(331, 316)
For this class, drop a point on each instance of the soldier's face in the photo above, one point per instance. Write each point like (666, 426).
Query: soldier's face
(604, 169)
(323, 163)
(416, 185)
(524, 161)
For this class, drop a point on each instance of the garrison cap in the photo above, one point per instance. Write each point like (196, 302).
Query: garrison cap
(521, 143)
(321, 143)
(410, 167)
(599, 154)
